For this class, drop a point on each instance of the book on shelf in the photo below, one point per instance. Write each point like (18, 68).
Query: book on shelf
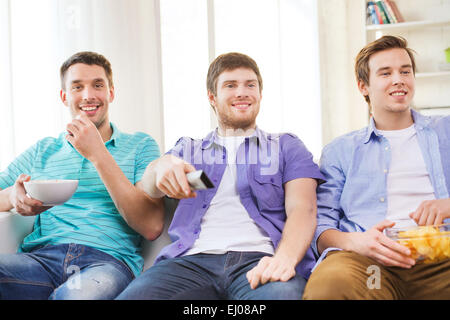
(383, 12)
(397, 13)
(378, 14)
(388, 8)
(372, 17)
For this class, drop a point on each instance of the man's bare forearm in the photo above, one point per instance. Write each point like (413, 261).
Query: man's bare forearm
(298, 233)
(336, 239)
(141, 212)
(149, 181)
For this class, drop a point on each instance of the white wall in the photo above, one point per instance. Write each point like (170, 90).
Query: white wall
(341, 36)
(6, 117)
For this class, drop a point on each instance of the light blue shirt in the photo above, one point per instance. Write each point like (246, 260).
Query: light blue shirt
(90, 217)
(356, 165)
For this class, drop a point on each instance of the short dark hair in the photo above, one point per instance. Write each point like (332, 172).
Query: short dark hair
(89, 58)
(230, 61)
(362, 70)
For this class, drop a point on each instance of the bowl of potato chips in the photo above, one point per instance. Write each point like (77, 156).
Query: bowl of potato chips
(428, 244)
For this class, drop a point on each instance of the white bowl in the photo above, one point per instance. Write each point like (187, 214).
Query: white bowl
(51, 192)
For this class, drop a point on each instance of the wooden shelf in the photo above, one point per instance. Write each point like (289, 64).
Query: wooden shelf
(434, 110)
(408, 25)
(420, 75)
(433, 107)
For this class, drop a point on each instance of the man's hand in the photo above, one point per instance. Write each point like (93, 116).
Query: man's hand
(84, 136)
(431, 212)
(171, 177)
(23, 204)
(277, 268)
(374, 244)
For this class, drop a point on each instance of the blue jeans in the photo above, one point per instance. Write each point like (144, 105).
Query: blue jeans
(66, 271)
(209, 276)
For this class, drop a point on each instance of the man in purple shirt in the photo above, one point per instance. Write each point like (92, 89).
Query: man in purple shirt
(249, 236)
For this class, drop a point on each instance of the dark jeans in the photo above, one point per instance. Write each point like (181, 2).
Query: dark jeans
(66, 271)
(209, 276)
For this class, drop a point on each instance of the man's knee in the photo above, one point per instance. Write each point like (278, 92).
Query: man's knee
(340, 276)
(98, 282)
(290, 290)
(328, 286)
(279, 290)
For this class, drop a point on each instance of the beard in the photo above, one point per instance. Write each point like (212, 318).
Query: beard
(233, 121)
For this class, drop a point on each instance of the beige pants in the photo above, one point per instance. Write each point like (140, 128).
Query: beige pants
(348, 275)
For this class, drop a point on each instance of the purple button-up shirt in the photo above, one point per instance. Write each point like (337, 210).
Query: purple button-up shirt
(265, 162)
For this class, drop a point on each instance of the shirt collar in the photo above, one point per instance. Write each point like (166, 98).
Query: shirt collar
(115, 137)
(258, 135)
(420, 122)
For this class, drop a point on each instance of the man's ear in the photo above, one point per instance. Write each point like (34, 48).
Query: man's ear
(111, 94)
(62, 95)
(362, 86)
(212, 99)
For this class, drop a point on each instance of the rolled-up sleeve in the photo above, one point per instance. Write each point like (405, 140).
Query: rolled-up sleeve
(329, 211)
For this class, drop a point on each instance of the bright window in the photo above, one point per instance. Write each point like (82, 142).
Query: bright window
(29, 76)
(184, 55)
(282, 37)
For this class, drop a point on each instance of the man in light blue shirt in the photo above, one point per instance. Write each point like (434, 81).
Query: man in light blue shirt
(89, 247)
(396, 172)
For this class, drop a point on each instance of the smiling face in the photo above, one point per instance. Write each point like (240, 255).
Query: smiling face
(391, 85)
(237, 100)
(87, 91)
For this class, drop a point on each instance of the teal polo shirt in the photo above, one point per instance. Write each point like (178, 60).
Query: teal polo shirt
(90, 217)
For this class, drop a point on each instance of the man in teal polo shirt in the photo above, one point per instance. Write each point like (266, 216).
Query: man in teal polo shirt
(89, 247)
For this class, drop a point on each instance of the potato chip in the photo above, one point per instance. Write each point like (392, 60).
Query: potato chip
(427, 243)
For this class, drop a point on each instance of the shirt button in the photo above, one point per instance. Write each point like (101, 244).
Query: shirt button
(196, 231)
(180, 246)
(386, 148)
(204, 206)
(385, 170)
(381, 199)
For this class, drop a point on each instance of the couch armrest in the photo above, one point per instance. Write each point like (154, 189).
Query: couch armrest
(13, 228)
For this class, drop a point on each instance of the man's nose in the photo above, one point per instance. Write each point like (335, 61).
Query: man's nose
(87, 93)
(242, 91)
(397, 78)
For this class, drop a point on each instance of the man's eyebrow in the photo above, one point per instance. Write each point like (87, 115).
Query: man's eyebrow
(94, 80)
(233, 81)
(383, 69)
(388, 68)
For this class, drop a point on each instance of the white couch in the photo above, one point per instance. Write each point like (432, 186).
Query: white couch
(14, 227)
